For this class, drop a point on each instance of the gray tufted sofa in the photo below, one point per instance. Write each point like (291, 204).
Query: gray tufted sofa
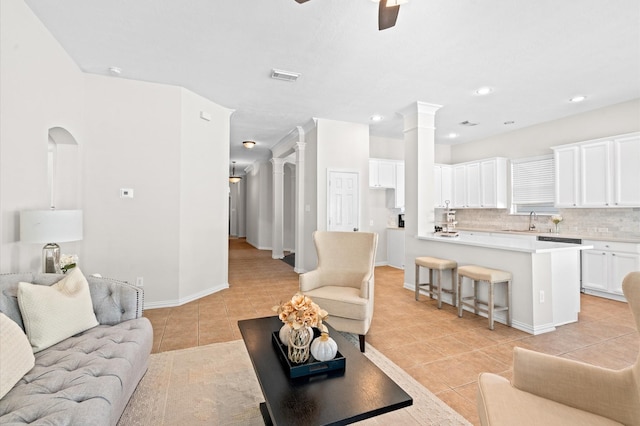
(86, 379)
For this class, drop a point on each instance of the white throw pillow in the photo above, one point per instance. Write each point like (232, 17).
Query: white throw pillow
(16, 356)
(54, 313)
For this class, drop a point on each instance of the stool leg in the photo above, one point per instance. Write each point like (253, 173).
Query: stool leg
(439, 288)
(509, 303)
(431, 283)
(454, 298)
(490, 306)
(417, 280)
(460, 277)
(476, 284)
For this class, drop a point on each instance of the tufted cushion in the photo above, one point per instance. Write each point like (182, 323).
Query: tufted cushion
(85, 379)
(16, 356)
(52, 313)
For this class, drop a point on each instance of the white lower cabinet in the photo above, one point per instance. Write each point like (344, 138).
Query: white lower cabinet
(395, 247)
(605, 266)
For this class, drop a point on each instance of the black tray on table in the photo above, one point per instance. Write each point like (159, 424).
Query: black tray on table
(309, 368)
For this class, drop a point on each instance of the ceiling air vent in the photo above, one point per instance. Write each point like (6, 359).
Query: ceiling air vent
(468, 123)
(284, 75)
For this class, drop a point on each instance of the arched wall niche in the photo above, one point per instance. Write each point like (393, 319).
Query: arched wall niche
(63, 169)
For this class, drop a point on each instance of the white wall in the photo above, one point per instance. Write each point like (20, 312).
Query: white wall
(133, 144)
(342, 146)
(41, 87)
(537, 140)
(204, 216)
(259, 203)
(392, 149)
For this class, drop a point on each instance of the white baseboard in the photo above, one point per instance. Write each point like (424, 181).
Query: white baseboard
(183, 300)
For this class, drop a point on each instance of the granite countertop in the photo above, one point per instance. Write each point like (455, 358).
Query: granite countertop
(630, 238)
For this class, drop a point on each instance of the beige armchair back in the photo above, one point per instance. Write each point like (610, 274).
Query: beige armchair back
(343, 282)
(549, 390)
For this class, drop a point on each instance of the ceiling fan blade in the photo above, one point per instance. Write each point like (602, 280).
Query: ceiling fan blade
(387, 16)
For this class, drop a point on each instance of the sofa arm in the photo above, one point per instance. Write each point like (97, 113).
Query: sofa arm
(115, 301)
(609, 393)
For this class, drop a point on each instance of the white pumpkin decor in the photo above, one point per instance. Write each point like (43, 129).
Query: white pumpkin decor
(324, 348)
(284, 333)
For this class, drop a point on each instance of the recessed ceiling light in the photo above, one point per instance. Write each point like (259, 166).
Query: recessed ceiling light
(578, 98)
(452, 135)
(115, 71)
(509, 122)
(376, 117)
(484, 91)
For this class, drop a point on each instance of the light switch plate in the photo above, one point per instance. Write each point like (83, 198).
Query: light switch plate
(126, 193)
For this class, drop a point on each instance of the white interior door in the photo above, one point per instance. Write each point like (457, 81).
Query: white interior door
(343, 200)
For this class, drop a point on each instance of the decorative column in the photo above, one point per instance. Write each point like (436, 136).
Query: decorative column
(277, 238)
(300, 174)
(419, 140)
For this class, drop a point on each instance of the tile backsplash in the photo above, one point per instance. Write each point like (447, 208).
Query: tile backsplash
(617, 223)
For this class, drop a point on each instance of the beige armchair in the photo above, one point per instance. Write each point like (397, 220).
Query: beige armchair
(342, 284)
(548, 390)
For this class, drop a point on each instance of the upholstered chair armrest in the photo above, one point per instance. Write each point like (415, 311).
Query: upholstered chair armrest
(610, 393)
(366, 288)
(310, 280)
(115, 301)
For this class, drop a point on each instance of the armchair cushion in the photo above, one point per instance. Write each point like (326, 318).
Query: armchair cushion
(343, 302)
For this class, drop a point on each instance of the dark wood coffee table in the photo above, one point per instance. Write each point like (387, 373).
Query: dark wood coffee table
(361, 391)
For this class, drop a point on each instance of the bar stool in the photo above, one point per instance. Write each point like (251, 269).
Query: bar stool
(433, 263)
(492, 277)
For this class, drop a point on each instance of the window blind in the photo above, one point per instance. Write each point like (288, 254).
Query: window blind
(533, 180)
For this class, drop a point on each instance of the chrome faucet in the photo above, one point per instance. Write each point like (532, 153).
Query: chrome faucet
(532, 217)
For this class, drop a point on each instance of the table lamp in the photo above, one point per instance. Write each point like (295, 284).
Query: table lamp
(46, 226)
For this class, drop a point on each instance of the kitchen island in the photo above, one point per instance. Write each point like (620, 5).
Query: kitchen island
(546, 275)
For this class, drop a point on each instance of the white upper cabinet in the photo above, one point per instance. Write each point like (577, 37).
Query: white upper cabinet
(599, 173)
(459, 186)
(626, 165)
(595, 174)
(480, 184)
(382, 173)
(567, 178)
(442, 185)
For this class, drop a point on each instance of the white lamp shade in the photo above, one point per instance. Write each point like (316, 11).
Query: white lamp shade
(50, 226)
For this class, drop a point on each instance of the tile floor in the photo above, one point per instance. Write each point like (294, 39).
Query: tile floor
(440, 350)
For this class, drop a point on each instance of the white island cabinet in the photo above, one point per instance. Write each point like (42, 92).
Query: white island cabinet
(546, 275)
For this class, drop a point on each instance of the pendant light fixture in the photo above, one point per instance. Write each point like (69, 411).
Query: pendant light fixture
(233, 178)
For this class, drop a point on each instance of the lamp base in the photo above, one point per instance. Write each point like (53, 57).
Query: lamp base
(51, 259)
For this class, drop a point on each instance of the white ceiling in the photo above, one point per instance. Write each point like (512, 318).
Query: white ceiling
(534, 54)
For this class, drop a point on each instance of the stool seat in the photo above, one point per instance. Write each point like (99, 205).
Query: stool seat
(435, 263)
(435, 291)
(480, 273)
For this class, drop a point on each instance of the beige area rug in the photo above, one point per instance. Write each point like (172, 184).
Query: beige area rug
(216, 385)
